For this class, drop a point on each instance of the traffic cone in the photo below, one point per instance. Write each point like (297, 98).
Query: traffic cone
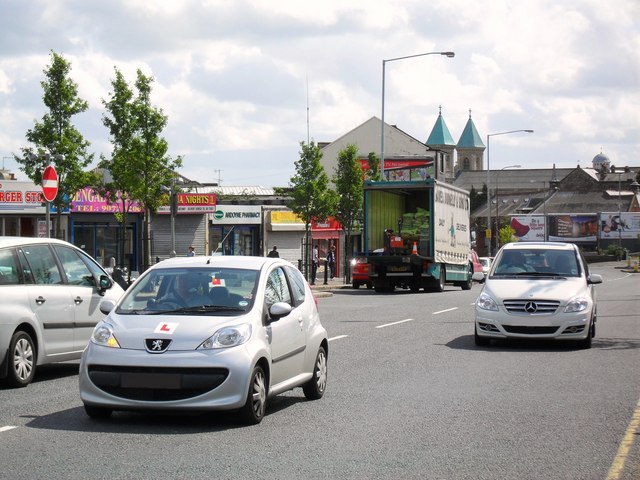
(414, 251)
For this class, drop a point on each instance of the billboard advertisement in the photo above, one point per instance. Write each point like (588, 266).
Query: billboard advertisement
(573, 228)
(620, 225)
(528, 228)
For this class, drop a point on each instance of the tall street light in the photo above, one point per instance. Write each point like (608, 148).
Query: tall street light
(489, 179)
(384, 63)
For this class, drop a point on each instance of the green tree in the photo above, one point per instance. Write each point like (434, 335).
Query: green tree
(55, 139)
(506, 235)
(374, 166)
(310, 195)
(140, 168)
(348, 181)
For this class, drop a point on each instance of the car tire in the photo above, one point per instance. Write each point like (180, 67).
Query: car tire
(254, 408)
(480, 341)
(97, 412)
(22, 360)
(315, 387)
(355, 285)
(369, 286)
(586, 343)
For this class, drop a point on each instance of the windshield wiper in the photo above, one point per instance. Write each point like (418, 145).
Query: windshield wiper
(199, 309)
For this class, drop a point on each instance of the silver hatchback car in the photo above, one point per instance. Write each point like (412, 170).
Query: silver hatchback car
(49, 296)
(537, 290)
(206, 333)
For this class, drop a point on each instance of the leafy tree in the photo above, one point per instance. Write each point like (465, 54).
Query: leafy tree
(374, 166)
(139, 167)
(311, 198)
(56, 141)
(506, 235)
(348, 182)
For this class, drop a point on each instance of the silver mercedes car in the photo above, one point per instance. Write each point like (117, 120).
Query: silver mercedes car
(206, 333)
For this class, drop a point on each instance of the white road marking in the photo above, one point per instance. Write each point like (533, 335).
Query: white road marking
(443, 311)
(395, 323)
(338, 337)
(7, 428)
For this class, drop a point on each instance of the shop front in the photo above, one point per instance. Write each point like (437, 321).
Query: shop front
(23, 211)
(95, 229)
(235, 230)
(327, 235)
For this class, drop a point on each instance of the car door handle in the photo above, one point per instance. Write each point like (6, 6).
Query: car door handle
(77, 300)
(40, 300)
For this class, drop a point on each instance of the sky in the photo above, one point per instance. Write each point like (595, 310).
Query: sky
(243, 82)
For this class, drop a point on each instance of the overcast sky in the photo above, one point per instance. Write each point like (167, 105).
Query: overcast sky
(239, 78)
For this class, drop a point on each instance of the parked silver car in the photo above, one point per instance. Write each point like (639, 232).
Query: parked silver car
(537, 291)
(49, 291)
(206, 333)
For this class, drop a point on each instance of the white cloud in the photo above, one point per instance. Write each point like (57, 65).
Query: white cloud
(232, 75)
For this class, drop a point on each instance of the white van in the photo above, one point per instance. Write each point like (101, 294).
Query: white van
(49, 296)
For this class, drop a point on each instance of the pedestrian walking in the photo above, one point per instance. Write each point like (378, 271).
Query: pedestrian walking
(274, 253)
(192, 252)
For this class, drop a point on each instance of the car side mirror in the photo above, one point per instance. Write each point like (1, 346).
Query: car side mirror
(105, 283)
(594, 279)
(107, 305)
(478, 277)
(279, 310)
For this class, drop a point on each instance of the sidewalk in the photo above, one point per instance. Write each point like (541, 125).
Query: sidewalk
(320, 289)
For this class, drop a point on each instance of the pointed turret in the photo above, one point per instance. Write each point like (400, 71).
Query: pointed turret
(470, 148)
(441, 139)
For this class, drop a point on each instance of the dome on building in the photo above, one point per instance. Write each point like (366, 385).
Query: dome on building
(601, 160)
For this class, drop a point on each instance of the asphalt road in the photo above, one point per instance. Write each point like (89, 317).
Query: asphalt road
(409, 397)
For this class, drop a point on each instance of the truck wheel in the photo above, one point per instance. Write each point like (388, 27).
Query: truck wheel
(469, 283)
(441, 281)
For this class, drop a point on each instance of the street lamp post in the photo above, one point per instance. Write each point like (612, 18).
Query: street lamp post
(498, 200)
(384, 63)
(489, 180)
(173, 208)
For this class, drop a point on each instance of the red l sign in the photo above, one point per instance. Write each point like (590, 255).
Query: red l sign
(50, 183)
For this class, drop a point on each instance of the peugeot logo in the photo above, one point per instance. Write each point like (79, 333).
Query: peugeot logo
(157, 345)
(531, 307)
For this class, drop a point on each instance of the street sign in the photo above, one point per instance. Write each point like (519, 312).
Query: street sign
(50, 183)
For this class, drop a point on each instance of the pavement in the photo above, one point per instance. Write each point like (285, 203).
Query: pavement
(320, 289)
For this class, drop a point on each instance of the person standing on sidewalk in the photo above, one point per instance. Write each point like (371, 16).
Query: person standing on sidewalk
(331, 261)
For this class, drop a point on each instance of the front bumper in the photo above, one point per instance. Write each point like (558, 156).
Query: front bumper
(123, 379)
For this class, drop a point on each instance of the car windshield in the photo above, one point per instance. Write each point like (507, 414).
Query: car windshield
(537, 262)
(192, 291)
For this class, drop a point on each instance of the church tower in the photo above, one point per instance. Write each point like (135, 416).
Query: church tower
(441, 139)
(470, 148)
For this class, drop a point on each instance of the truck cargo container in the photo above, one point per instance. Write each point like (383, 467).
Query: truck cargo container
(417, 235)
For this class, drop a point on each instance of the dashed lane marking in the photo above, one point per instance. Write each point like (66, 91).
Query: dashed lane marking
(7, 428)
(444, 311)
(338, 337)
(395, 323)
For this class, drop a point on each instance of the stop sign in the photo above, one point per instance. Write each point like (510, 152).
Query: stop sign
(50, 183)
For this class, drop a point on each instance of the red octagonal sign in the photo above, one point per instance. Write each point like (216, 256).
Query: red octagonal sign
(50, 183)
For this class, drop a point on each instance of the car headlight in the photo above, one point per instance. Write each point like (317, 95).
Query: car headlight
(103, 335)
(228, 337)
(485, 302)
(577, 304)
